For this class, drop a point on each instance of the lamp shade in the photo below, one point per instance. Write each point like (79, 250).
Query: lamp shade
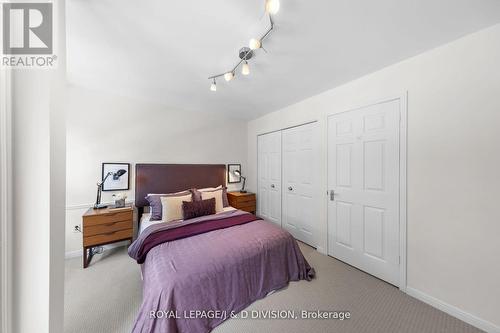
(254, 44)
(245, 69)
(120, 172)
(272, 6)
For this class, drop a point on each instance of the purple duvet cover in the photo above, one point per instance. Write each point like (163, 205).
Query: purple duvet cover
(196, 274)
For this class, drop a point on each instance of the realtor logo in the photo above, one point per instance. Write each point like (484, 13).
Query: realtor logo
(27, 35)
(27, 28)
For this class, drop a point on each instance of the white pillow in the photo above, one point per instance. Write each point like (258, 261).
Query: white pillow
(171, 207)
(219, 207)
(206, 189)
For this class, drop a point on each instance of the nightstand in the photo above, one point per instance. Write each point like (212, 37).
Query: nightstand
(243, 201)
(105, 226)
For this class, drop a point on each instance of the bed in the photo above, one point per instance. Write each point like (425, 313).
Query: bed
(199, 272)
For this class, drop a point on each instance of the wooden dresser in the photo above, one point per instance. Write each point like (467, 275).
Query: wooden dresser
(105, 226)
(243, 201)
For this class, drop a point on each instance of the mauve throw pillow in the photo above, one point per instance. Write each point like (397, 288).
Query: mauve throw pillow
(197, 194)
(192, 209)
(155, 203)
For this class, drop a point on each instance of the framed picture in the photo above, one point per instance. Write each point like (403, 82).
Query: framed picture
(117, 179)
(231, 177)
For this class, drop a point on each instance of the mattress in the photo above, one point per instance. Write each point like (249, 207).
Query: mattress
(146, 219)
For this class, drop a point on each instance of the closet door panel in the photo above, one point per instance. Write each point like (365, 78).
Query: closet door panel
(307, 185)
(274, 200)
(269, 169)
(300, 181)
(262, 177)
(291, 212)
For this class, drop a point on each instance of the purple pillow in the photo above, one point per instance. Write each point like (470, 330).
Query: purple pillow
(192, 209)
(155, 203)
(225, 201)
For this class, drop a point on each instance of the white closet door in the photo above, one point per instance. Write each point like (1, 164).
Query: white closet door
(363, 172)
(300, 182)
(269, 177)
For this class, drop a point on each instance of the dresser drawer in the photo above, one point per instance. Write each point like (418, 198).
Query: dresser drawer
(247, 208)
(243, 199)
(107, 237)
(107, 218)
(241, 205)
(105, 228)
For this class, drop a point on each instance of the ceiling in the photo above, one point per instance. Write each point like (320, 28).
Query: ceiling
(163, 51)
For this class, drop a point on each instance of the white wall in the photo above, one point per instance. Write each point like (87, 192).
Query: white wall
(31, 147)
(38, 192)
(38, 155)
(5, 202)
(105, 128)
(453, 167)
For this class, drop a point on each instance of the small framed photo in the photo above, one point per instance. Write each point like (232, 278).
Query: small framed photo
(118, 175)
(231, 176)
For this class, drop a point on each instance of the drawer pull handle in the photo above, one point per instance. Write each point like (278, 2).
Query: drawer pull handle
(272, 186)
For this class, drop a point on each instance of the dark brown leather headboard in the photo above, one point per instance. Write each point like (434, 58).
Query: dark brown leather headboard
(168, 178)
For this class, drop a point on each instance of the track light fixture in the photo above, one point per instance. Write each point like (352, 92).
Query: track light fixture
(254, 44)
(228, 76)
(272, 6)
(246, 53)
(245, 69)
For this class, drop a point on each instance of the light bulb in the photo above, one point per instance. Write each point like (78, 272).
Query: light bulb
(272, 6)
(228, 76)
(213, 86)
(254, 44)
(245, 69)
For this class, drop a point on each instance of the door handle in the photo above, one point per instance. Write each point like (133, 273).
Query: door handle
(290, 188)
(272, 186)
(332, 195)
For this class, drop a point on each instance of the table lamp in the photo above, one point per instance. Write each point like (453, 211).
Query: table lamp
(116, 175)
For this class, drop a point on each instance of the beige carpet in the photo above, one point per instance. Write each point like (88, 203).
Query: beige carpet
(104, 298)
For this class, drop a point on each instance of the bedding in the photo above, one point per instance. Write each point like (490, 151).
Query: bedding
(198, 208)
(146, 219)
(197, 193)
(171, 207)
(217, 195)
(154, 201)
(221, 262)
(146, 222)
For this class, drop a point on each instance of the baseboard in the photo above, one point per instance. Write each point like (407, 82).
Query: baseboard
(79, 253)
(73, 254)
(321, 250)
(454, 311)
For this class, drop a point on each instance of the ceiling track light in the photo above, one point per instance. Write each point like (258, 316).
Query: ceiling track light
(246, 53)
(229, 76)
(272, 6)
(245, 69)
(254, 44)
